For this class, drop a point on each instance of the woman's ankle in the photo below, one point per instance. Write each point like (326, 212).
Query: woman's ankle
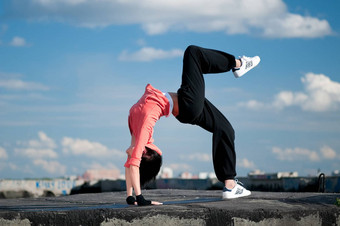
(230, 183)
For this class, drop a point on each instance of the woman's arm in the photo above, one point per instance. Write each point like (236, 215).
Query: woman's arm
(129, 187)
(132, 173)
(132, 176)
(135, 179)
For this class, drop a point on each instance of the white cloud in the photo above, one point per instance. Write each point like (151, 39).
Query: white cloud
(53, 167)
(252, 104)
(18, 42)
(97, 165)
(201, 157)
(296, 26)
(303, 154)
(41, 148)
(44, 141)
(3, 153)
(269, 18)
(328, 153)
(180, 167)
(34, 153)
(88, 148)
(17, 84)
(320, 94)
(245, 163)
(12, 166)
(148, 54)
(289, 98)
(295, 154)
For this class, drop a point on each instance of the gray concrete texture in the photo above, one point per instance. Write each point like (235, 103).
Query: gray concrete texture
(181, 207)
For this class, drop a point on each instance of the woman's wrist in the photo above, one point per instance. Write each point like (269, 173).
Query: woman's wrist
(141, 201)
(130, 200)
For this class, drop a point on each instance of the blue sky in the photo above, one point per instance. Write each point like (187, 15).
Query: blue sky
(71, 69)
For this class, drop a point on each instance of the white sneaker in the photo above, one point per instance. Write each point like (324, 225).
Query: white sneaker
(237, 192)
(248, 63)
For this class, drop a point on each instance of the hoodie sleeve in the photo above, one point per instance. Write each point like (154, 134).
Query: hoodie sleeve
(143, 138)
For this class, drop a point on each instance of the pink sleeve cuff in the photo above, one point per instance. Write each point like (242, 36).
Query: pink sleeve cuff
(132, 161)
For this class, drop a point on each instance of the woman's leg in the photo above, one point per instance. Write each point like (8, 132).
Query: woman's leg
(196, 62)
(194, 108)
(223, 148)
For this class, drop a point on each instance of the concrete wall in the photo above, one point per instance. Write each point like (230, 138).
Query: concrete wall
(36, 188)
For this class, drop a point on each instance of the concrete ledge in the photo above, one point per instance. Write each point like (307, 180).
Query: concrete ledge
(181, 207)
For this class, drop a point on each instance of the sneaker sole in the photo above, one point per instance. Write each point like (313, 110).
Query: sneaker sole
(238, 196)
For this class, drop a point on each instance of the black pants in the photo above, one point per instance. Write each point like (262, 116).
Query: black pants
(195, 109)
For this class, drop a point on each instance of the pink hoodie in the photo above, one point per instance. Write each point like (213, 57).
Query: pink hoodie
(142, 118)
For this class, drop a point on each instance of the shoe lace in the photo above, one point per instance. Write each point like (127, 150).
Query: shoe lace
(246, 61)
(239, 182)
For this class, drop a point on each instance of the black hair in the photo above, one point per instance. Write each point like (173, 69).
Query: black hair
(149, 166)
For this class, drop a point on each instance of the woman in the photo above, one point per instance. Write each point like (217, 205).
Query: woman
(188, 105)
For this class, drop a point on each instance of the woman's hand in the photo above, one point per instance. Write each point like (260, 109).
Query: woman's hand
(156, 203)
(141, 201)
(132, 146)
(129, 151)
(132, 201)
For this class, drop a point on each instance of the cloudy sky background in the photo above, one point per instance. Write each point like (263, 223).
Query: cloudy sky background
(71, 69)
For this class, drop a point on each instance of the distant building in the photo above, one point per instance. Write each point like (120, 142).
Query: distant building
(336, 173)
(206, 175)
(166, 172)
(287, 174)
(37, 188)
(258, 174)
(101, 174)
(203, 175)
(185, 175)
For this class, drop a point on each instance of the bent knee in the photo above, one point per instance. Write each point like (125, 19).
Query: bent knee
(191, 49)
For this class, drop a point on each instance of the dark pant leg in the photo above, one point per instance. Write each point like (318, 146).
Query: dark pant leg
(196, 62)
(195, 109)
(223, 148)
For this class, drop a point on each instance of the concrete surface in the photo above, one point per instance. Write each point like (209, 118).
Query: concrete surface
(181, 207)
